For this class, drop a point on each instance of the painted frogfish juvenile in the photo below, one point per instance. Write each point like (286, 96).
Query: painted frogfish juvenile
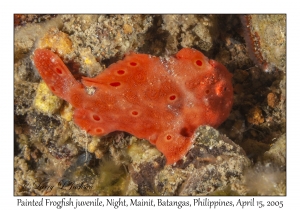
(162, 100)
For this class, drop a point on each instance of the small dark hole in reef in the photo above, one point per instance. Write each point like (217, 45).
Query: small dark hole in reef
(199, 63)
(96, 117)
(133, 63)
(74, 68)
(120, 72)
(59, 71)
(115, 84)
(185, 132)
(207, 91)
(225, 88)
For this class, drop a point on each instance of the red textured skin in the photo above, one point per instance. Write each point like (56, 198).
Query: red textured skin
(161, 100)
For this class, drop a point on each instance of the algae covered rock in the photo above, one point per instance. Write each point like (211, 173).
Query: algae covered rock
(272, 32)
(213, 163)
(45, 101)
(277, 153)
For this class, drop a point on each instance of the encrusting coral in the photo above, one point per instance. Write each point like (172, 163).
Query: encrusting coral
(162, 100)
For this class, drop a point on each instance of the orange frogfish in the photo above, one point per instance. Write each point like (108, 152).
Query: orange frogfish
(159, 99)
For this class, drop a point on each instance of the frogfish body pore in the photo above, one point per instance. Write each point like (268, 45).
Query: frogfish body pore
(162, 100)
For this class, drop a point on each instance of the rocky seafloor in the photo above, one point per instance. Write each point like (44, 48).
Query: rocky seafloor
(246, 155)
